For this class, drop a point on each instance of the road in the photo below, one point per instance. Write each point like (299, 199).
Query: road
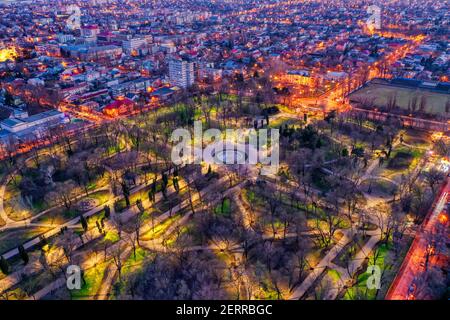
(413, 264)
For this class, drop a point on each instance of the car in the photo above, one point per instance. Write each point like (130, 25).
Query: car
(411, 291)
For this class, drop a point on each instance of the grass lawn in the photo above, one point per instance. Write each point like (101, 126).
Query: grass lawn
(334, 275)
(133, 263)
(17, 294)
(315, 255)
(40, 206)
(224, 208)
(381, 93)
(171, 240)
(319, 180)
(267, 291)
(343, 223)
(57, 216)
(10, 239)
(403, 158)
(93, 277)
(159, 229)
(350, 250)
(70, 214)
(101, 196)
(112, 236)
(417, 138)
(252, 197)
(189, 228)
(14, 206)
(224, 256)
(143, 194)
(379, 187)
(249, 194)
(282, 121)
(360, 288)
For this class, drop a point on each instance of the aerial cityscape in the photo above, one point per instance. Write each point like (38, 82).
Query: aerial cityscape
(224, 150)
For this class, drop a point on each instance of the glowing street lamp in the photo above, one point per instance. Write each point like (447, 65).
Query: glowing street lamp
(443, 218)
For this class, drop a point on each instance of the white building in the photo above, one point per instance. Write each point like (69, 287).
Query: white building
(64, 38)
(181, 73)
(168, 48)
(90, 31)
(36, 82)
(20, 123)
(133, 44)
(336, 76)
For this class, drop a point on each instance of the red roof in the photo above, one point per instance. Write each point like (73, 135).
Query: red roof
(117, 104)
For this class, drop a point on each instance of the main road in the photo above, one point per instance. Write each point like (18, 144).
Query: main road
(413, 264)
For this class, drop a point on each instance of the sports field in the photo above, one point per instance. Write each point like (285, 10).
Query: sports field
(381, 93)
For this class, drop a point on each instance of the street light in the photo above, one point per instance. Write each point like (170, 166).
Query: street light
(443, 218)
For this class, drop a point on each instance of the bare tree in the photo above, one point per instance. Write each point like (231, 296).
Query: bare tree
(434, 178)
(132, 240)
(63, 194)
(117, 252)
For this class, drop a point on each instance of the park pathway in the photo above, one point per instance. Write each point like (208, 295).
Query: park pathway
(16, 277)
(7, 220)
(298, 293)
(111, 274)
(347, 274)
(29, 244)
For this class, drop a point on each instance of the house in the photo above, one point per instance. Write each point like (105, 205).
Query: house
(23, 122)
(163, 93)
(302, 77)
(119, 107)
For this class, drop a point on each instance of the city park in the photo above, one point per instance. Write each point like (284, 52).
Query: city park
(349, 193)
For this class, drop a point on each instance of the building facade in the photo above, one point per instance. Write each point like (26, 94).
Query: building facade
(181, 73)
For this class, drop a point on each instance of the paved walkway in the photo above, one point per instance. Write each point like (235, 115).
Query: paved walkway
(29, 222)
(12, 224)
(383, 178)
(3, 214)
(4, 182)
(375, 162)
(246, 215)
(55, 285)
(35, 266)
(76, 220)
(111, 274)
(16, 277)
(346, 273)
(353, 266)
(298, 293)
